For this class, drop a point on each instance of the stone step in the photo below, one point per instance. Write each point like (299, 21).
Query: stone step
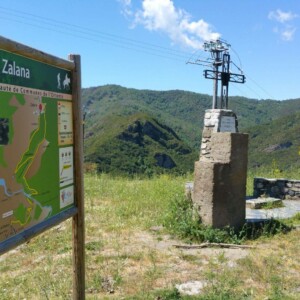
(258, 203)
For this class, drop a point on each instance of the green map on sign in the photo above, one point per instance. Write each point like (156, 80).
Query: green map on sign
(30, 162)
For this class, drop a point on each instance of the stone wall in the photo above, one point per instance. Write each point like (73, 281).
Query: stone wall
(216, 120)
(276, 188)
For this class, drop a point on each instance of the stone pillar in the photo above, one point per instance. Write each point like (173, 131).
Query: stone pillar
(221, 172)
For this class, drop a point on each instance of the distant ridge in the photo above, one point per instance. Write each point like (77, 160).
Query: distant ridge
(183, 113)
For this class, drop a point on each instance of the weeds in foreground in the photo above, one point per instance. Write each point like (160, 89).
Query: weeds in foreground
(294, 221)
(272, 205)
(184, 222)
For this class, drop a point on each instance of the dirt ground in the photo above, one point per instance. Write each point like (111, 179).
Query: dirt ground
(151, 260)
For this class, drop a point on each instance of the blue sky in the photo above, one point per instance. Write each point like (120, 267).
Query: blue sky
(145, 44)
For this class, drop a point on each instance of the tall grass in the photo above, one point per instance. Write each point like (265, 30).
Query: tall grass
(131, 203)
(122, 263)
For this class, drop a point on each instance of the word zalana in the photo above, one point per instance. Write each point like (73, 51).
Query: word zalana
(11, 68)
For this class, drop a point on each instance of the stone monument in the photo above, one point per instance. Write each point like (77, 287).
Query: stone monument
(221, 172)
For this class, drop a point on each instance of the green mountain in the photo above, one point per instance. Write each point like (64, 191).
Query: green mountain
(136, 144)
(181, 111)
(110, 110)
(276, 142)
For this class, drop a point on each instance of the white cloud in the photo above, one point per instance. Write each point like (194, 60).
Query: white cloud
(285, 30)
(125, 2)
(126, 7)
(281, 16)
(163, 16)
(288, 33)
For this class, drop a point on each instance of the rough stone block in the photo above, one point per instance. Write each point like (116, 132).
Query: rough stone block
(220, 182)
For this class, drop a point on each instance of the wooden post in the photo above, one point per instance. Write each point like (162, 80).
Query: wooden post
(78, 219)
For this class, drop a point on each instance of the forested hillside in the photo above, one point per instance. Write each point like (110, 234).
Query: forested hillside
(137, 144)
(276, 143)
(111, 109)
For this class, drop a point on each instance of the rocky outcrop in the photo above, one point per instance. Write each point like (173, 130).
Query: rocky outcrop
(276, 147)
(164, 161)
(138, 130)
(138, 144)
(141, 130)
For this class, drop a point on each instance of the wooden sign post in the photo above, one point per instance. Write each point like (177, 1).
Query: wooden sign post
(78, 219)
(41, 149)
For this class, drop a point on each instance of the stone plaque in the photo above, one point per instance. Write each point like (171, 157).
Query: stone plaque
(227, 124)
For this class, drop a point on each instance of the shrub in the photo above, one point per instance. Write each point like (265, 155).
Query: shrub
(185, 223)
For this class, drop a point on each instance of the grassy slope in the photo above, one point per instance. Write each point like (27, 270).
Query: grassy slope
(123, 259)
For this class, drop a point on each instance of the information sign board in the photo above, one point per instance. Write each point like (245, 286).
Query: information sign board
(36, 143)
